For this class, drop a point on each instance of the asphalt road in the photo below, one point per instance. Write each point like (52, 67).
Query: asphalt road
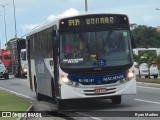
(147, 99)
(19, 86)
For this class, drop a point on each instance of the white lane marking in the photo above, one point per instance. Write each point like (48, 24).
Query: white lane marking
(147, 101)
(148, 87)
(24, 80)
(95, 118)
(19, 94)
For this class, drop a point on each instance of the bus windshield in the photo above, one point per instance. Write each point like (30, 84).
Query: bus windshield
(95, 49)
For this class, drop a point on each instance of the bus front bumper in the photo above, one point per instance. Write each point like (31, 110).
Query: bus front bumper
(69, 92)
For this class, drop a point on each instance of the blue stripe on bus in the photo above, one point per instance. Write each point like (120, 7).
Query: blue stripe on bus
(97, 80)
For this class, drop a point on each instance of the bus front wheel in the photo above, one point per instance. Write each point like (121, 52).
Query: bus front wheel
(116, 100)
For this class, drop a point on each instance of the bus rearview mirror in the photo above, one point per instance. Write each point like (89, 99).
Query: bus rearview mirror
(133, 42)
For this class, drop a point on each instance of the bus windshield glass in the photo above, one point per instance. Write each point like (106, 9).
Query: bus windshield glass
(95, 49)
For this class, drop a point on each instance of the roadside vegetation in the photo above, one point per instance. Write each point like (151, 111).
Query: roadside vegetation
(146, 36)
(147, 80)
(10, 102)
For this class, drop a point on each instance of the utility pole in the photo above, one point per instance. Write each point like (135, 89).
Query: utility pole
(15, 26)
(0, 41)
(5, 20)
(86, 6)
(157, 9)
(158, 28)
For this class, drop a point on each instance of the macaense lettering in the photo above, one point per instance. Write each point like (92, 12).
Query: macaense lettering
(116, 77)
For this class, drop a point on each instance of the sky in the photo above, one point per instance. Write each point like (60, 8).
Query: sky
(32, 13)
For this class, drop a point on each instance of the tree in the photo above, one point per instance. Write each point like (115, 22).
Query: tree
(146, 36)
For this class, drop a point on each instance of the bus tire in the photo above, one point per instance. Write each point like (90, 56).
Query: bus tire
(22, 75)
(7, 76)
(60, 104)
(53, 90)
(116, 100)
(16, 75)
(39, 97)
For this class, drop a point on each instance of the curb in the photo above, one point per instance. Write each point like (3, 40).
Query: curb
(76, 116)
(28, 110)
(148, 84)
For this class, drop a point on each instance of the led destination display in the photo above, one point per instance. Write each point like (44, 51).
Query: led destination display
(93, 20)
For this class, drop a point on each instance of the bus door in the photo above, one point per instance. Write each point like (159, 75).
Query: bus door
(29, 76)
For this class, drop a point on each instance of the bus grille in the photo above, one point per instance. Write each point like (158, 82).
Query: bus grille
(95, 73)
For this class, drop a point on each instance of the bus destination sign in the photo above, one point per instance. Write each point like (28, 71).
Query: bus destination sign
(90, 21)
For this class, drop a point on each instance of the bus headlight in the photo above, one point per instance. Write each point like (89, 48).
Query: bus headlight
(130, 75)
(64, 79)
(25, 69)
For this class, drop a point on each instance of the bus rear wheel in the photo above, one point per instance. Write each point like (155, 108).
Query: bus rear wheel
(38, 95)
(60, 104)
(116, 100)
(22, 74)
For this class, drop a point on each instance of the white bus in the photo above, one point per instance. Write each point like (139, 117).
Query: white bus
(138, 51)
(69, 58)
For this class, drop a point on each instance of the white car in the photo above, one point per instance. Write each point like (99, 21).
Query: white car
(3, 71)
(136, 68)
(154, 70)
(145, 70)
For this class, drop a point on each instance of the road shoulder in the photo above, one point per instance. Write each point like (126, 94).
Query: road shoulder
(148, 84)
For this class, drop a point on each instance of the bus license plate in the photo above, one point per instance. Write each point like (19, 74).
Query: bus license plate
(100, 90)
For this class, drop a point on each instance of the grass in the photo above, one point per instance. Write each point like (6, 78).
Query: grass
(11, 102)
(147, 80)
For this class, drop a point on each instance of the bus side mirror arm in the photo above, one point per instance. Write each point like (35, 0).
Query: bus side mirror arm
(133, 42)
(55, 43)
(55, 39)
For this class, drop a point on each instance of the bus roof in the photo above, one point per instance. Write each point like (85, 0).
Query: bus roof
(146, 49)
(55, 22)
